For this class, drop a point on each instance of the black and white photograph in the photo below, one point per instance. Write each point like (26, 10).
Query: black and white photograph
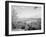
(25, 18)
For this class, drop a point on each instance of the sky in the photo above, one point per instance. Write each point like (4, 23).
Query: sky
(27, 11)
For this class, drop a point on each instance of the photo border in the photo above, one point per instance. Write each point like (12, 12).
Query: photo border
(7, 17)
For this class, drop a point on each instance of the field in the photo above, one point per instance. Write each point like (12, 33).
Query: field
(27, 24)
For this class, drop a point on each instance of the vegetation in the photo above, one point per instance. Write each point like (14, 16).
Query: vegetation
(35, 24)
